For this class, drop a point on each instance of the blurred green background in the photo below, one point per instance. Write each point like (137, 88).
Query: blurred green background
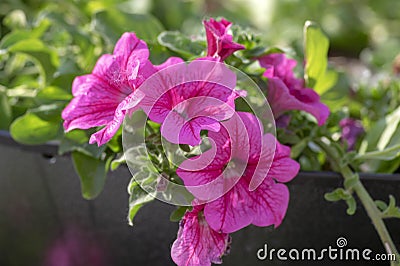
(355, 27)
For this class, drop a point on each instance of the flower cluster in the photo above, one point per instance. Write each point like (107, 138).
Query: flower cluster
(237, 182)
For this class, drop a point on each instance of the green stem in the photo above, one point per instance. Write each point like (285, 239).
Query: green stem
(373, 212)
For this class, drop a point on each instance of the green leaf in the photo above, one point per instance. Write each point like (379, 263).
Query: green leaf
(92, 173)
(316, 51)
(298, 148)
(178, 213)
(385, 155)
(338, 194)
(342, 194)
(21, 91)
(117, 162)
(327, 81)
(181, 44)
(14, 37)
(382, 206)
(392, 122)
(36, 49)
(77, 140)
(115, 143)
(392, 211)
(5, 111)
(113, 23)
(30, 129)
(53, 93)
(48, 112)
(138, 198)
(349, 183)
(351, 206)
(380, 146)
(261, 51)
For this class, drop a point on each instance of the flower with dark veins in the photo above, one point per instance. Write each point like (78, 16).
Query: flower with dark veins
(286, 92)
(245, 156)
(220, 43)
(197, 244)
(103, 97)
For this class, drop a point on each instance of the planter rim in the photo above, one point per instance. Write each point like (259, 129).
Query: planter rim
(51, 149)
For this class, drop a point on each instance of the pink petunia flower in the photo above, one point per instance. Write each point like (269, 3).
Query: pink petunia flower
(286, 92)
(244, 157)
(188, 98)
(219, 42)
(104, 96)
(197, 244)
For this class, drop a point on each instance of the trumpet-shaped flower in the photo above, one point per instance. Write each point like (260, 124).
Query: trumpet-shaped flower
(100, 97)
(104, 96)
(286, 92)
(219, 42)
(197, 243)
(188, 98)
(244, 156)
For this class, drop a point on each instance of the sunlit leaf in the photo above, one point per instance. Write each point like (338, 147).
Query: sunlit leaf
(112, 24)
(392, 123)
(53, 93)
(138, 198)
(387, 154)
(35, 48)
(181, 44)
(31, 129)
(117, 162)
(316, 52)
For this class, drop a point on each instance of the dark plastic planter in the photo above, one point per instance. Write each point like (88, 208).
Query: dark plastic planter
(44, 219)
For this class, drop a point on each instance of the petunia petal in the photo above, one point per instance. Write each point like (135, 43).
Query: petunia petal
(106, 133)
(239, 207)
(169, 62)
(281, 100)
(202, 93)
(230, 212)
(93, 105)
(197, 244)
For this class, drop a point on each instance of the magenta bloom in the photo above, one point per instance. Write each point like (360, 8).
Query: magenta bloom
(286, 92)
(188, 98)
(219, 41)
(351, 131)
(250, 165)
(100, 97)
(197, 244)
